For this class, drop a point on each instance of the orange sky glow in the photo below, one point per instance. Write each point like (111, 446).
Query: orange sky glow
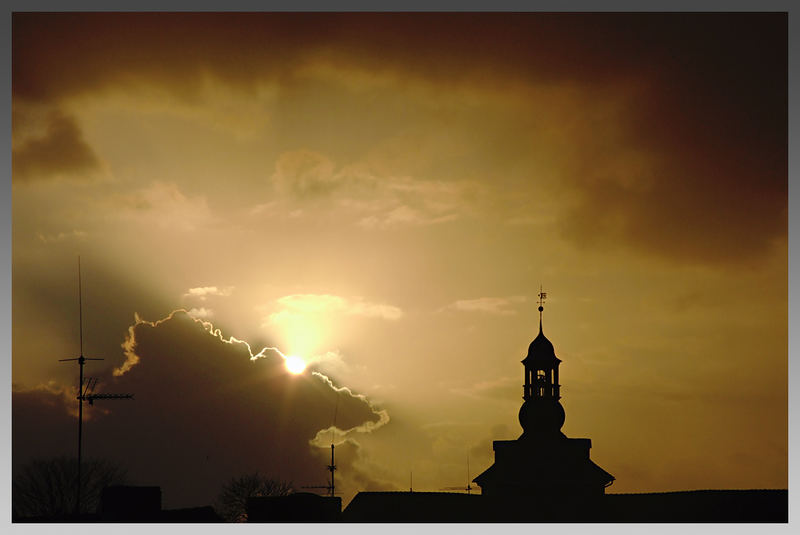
(381, 195)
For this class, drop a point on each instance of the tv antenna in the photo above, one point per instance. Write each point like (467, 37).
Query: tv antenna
(330, 487)
(469, 487)
(85, 388)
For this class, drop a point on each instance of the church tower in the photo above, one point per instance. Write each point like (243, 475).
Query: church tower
(543, 463)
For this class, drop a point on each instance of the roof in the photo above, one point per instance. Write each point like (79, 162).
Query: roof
(541, 352)
(560, 465)
(413, 507)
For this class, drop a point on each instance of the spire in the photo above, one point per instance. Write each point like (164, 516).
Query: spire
(541, 351)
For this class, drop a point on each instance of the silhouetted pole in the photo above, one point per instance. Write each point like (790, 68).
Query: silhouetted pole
(469, 487)
(81, 361)
(84, 394)
(332, 468)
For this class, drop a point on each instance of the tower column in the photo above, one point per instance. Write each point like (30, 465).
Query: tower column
(556, 384)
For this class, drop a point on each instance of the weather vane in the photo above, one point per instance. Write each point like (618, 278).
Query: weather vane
(542, 297)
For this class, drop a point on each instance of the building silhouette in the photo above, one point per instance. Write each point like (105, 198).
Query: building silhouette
(543, 463)
(544, 476)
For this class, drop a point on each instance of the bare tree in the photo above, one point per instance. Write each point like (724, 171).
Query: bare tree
(232, 500)
(48, 487)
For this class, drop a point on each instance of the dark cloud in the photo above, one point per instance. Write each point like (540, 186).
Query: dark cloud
(60, 150)
(724, 211)
(706, 106)
(203, 412)
(58, 55)
(701, 174)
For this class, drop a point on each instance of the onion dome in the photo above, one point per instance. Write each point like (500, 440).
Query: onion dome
(541, 353)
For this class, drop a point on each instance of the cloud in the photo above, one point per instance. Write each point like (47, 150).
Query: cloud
(489, 305)
(367, 427)
(327, 304)
(60, 151)
(200, 313)
(38, 413)
(715, 207)
(686, 161)
(49, 395)
(355, 468)
(718, 96)
(206, 408)
(305, 174)
(202, 292)
(402, 216)
(130, 344)
(500, 389)
(417, 202)
(329, 362)
(483, 450)
(376, 200)
(77, 235)
(165, 205)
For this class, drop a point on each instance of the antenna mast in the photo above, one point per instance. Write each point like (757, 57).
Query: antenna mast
(469, 487)
(80, 307)
(332, 468)
(85, 393)
(330, 487)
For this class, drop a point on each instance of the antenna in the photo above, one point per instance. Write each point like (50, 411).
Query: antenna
(330, 487)
(90, 396)
(85, 392)
(469, 487)
(80, 307)
(332, 466)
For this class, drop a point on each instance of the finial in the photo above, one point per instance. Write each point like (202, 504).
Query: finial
(542, 297)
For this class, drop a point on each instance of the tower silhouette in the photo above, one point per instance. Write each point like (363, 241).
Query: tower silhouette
(543, 463)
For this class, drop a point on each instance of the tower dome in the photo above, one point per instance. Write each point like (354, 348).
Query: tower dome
(541, 350)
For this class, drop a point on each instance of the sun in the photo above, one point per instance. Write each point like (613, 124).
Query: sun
(295, 364)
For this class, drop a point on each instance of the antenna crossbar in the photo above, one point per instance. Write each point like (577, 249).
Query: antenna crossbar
(91, 397)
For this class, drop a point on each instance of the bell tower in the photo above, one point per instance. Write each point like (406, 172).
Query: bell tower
(541, 365)
(543, 462)
(541, 413)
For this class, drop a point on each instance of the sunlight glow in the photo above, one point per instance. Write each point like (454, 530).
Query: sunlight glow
(295, 364)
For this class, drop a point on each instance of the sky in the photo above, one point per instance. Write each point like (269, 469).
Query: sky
(382, 195)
